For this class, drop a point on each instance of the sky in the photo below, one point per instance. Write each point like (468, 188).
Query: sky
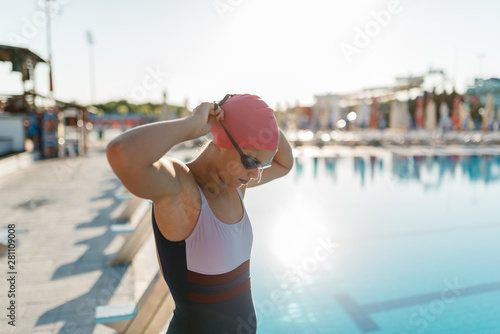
(286, 51)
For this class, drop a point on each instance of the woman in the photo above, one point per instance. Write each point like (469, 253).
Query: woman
(202, 232)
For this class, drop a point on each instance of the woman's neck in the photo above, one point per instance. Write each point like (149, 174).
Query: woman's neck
(205, 172)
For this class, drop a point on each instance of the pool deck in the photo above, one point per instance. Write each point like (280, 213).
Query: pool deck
(62, 209)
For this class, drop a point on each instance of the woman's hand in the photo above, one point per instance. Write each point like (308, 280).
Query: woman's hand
(205, 115)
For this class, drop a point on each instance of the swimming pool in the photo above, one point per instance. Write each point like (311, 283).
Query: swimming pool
(378, 244)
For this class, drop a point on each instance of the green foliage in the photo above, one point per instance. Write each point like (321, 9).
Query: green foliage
(123, 106)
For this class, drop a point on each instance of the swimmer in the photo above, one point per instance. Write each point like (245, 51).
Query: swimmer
(202, 232)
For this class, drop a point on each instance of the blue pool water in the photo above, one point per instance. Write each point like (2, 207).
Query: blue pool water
(386, 244)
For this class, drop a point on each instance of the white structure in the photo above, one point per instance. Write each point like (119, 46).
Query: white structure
(489, 113)
(399, 115)
(430, 115)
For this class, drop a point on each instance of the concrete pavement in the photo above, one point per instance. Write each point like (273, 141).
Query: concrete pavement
(61, 209)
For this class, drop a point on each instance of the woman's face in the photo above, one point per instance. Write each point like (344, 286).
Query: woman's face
(232, 171)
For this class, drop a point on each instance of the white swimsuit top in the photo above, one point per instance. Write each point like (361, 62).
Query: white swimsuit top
(215, 247)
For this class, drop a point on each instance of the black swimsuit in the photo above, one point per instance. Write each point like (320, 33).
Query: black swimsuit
(208, 275)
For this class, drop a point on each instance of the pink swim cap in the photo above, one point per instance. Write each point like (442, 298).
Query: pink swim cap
(251, 123)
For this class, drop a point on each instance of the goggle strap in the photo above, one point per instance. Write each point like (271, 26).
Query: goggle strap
(232, 140)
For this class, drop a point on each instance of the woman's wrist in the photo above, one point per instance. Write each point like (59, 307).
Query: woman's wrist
(193, 126)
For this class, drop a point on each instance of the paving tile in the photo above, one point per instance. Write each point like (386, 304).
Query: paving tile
(29, 323)
(50, 296)
(71, 324)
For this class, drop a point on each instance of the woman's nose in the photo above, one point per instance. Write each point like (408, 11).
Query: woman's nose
(253, 173)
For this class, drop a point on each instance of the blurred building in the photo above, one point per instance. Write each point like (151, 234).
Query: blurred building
(482, 88)
(32, 122)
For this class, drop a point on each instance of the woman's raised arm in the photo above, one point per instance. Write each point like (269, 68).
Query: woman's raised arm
(137, 156)
(282, 163)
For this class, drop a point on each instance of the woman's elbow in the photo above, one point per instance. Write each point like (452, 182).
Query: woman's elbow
(285, 167)
(288, 165)
(115, 154)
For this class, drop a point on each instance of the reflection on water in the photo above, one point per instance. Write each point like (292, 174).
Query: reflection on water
(427, 170)
(330, 164)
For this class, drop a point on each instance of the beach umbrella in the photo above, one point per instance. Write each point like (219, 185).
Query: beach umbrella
(405, 114)
(444, 121)
(455, 114)
(394, 122)
(419, 113)
(465, 118)
(430, 114)
(399, 115)
(374, 114)
(489, 113)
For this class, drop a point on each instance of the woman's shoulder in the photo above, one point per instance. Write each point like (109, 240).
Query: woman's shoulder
(176, 215)
(176, 168)
(180, 171)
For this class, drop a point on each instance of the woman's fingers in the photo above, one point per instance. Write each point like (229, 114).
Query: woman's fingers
(219, 113)
(213, 110)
